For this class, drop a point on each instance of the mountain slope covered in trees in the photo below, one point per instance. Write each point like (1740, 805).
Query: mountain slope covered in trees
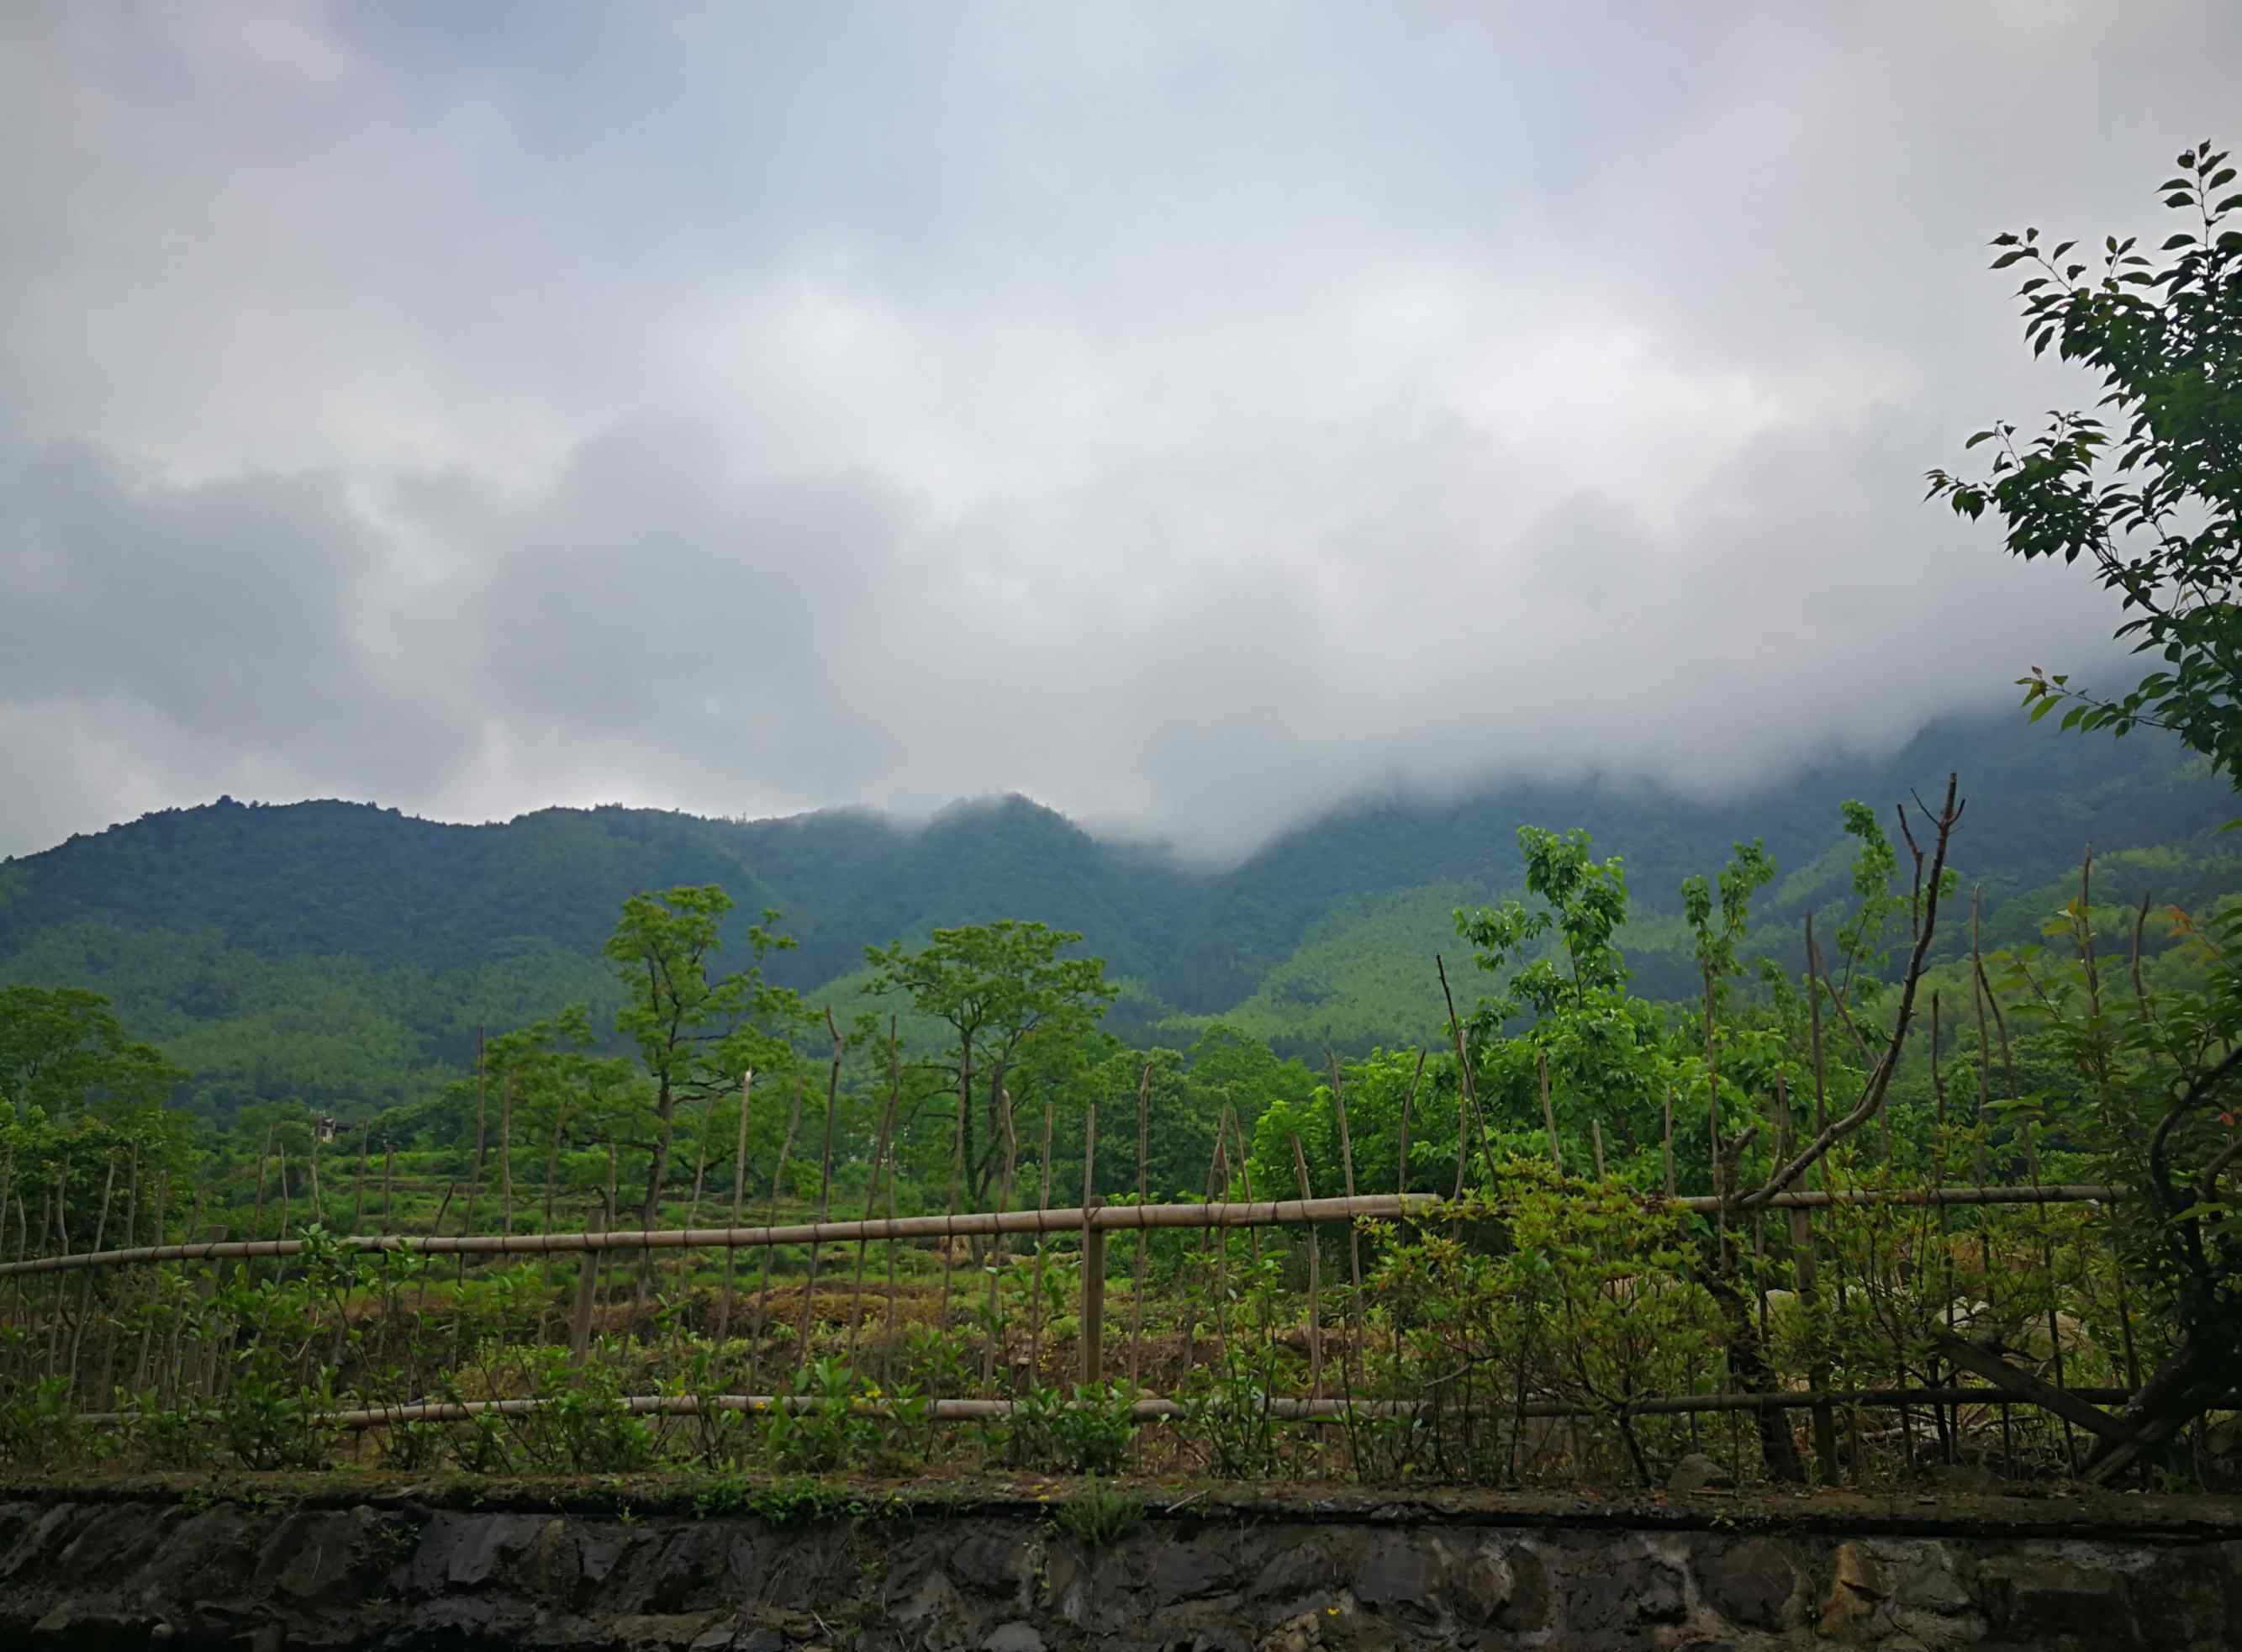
(346, 955)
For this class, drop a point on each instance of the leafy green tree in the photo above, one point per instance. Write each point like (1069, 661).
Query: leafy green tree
(2154, 510)
(1584, 903)
(696, 1033)
(997, 985)
(64, 1051)
(1715, 939)
(1602, 1048)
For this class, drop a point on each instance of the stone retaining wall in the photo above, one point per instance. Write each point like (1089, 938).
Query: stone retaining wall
(399, 1574)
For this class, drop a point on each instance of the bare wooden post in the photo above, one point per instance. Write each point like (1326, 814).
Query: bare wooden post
(895, 1078)
(996, 1244)
(1470, 1117)
(1463, 1124)
(1408, 1105)
(762, 1284)
(1137, 1279)
(824, 1191)
(739, 1190)
(871, 1196)
(1245, 1187)
(949, 1206)
(388, 1165)
(357, 1192)
(106, 1385)
(1315, 1282)
(318, 1211)
(1548, 1112)
(505, 1155)
(553, 1154)
(1353, 1234)
(482, 1116)
(263, 1153)
(614, 1205)
(1217, 1186)
(1666, 1137)
(2047, 1262)
(207, 1346)
(148, 1330)
(588, 1290)
(1596, 1136)
(1042, 1203)
(1093, 1257)
(1805, 1267)
(85, 1292)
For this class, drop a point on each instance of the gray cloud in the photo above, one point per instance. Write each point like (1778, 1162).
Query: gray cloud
(1188, 421)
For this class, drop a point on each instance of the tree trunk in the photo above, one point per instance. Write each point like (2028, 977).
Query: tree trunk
(1747, 1355)
(657, 1172)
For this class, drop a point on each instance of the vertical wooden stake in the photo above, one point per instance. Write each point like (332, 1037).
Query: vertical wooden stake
(1315, 1281)
(763, 1283)
(895, 1092)
(318, 1211)
(505, 1155)
(615, 1208)
(587, 1289)
(1254, 1234)
(824, 1193)
(996, 1244)
(739, 1189)
(553, 1154)
(1093, 1258)
(148, 1330)
(1408, 1105)
(957, 1179)
(1137, 1279)
(358, 1193)
(1353, 1234)
(871, 1196)
(1807, 1272)
(474, 1188)
(1596, 1136)
(1042, 1204)
(1666, 1137)
(388, 1165)
(85, 1291)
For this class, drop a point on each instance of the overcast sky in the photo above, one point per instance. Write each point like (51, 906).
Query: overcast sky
(1187, 415)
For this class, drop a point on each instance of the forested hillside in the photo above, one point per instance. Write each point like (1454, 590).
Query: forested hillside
(345, 955)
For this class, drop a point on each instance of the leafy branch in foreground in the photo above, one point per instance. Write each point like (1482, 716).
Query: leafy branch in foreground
(2160, 523)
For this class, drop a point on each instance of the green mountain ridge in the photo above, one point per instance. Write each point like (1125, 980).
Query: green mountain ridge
(345, 954)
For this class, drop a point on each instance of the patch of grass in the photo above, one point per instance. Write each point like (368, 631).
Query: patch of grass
(795, 1499)
(1098, 1515)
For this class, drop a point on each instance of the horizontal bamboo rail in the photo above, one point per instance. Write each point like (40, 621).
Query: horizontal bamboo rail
(1421, 1207)
(1154, 1409)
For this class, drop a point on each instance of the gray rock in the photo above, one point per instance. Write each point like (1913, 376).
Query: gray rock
(1696, 1473)
(1625, 1594)
(1399, 1572)
(1013, 1637)
(478, 1548)
(320, 1556)
(1185, 1571)
(1481, 1583)
(1752, 1584)
(1928, 1584)
(2032, 1596)
(995, 1563)
(1303, 1562)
